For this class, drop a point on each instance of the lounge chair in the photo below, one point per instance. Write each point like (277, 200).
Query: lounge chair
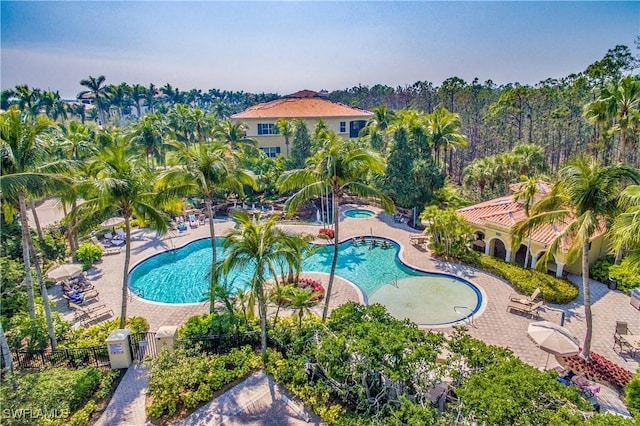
(525, 299)
(106, 249)
(90, 313)
(120, 234)
(418, 239)
(193, 222)
(526, 308)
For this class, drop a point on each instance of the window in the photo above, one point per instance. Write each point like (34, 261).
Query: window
(343, 127)
(271, 151)
(267, 129)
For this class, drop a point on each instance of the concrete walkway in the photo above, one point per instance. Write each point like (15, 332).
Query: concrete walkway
(492, 324)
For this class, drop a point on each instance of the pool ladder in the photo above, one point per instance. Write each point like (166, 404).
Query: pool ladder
(470, 317)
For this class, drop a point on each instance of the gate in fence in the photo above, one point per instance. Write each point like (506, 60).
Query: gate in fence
(142, 345)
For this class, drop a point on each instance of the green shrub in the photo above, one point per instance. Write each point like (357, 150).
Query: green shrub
(98, 333)
(88, 254)
(599, 271)
(82, 416)
(12, 292)
(54, 247)
(553, 289)
(189, 378)
(626, 276)
(56, 390)
(632, 395)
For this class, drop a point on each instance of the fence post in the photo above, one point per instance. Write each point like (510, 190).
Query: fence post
(166, 337)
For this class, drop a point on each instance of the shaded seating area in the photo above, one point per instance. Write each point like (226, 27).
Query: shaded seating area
(625, 340)
(418, 239)
(106, 246)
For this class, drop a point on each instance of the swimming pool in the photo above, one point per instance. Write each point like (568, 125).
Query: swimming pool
(359, 213)
(181, 276)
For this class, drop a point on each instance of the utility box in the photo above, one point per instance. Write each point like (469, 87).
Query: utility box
(119, 347)
(635, 298)
(166, 337)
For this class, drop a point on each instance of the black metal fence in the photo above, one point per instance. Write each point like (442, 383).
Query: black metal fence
(223, 343)
(96, 356)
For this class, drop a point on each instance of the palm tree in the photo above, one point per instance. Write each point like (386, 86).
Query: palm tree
(138, 95)
(583, 198)
(147, 133)
(481, 173)
(206, 169)
(300, 299)
(625, 233)
(120, 184)
(527, 193)
(285, 128)
(618, 102)
(75, 139)
(254, 245)
(22, 152)
(444, 132)
(99, 92)
(337, 168)
(234, 133)
(378, 125)
(530, 159)
(28, 100)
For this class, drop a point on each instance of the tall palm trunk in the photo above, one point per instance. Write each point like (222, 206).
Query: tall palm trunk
(45, 296)
(29, 253)
(623, 144)
(334, 261)
(28, 278)
(6, 357)
(586, 288)
(32, 206)
(74, 230)
(125, 272)
(262, 308)
(212, 230)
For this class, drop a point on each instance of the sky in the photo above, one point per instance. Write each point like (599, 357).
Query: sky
(283, 47)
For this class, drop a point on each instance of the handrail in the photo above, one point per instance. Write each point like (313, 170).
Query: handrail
(455, 308)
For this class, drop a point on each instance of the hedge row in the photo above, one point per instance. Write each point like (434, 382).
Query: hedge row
(553, 289)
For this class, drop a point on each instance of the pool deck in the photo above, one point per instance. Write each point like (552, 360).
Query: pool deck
(493, 324)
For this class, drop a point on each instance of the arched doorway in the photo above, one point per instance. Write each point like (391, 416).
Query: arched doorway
(551, 264)
(499, 250)
(478, 243)
(521, 255)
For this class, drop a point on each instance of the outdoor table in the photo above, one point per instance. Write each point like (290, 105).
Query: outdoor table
(633, 340)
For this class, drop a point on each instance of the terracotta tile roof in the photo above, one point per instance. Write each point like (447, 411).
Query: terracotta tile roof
(301, 108)
(306, 93)
(504, 213)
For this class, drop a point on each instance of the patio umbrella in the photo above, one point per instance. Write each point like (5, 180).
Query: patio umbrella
(553, 339)
(63, 272)
(114, 221)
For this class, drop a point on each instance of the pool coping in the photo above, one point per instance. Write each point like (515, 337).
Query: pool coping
(364, 299)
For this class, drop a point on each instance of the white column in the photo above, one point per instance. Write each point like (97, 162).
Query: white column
(534, 260)
(507, 257)
(559, 269)
(487, 247)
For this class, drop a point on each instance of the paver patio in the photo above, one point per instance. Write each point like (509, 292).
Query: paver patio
(492, 324)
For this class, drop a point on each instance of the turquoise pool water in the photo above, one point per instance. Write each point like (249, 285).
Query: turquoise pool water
(181, 276)
(359, 213)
